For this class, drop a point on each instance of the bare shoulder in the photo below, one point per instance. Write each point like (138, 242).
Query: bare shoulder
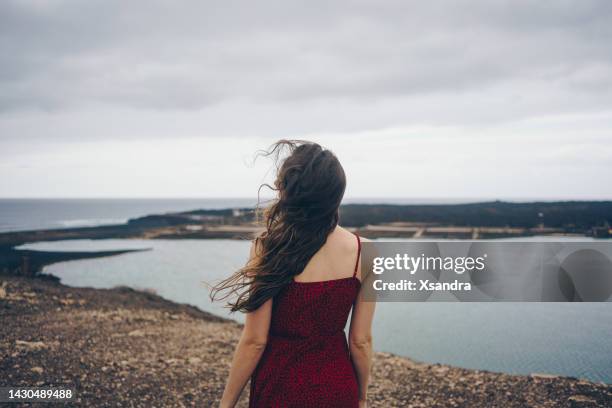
(351, 235)
(344, 233)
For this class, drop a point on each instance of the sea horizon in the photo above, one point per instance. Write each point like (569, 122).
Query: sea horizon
(26, 214)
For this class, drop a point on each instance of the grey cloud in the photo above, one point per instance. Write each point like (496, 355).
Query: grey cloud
(62, 55)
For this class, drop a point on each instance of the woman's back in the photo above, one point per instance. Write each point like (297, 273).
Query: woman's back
(307, 355)
(336, 259)
(319, 300)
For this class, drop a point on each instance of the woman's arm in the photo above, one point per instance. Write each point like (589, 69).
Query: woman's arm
(360, 341)
(248, 351)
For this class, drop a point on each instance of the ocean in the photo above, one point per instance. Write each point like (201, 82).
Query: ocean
(522, 338)
(19, 214)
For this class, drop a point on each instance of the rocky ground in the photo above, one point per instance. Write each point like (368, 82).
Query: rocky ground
(125, 348)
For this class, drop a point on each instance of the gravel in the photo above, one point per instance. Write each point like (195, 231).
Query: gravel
(122, 347)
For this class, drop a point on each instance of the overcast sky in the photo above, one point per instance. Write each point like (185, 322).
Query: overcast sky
(419, 99)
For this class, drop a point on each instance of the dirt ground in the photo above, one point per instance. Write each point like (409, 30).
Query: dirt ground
(120, 347)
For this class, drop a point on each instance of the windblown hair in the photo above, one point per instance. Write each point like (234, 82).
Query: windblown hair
(310, 184)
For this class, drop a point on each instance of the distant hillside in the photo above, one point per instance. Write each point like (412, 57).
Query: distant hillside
(570, 215)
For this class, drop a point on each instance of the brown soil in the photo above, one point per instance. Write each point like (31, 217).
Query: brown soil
(125, 348)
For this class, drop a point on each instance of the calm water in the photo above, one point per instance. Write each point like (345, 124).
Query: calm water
(28, 214)
(566, 339)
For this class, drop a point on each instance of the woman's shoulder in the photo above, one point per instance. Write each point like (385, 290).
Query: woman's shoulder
(349, 235)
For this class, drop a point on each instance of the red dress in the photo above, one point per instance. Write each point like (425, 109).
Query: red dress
(306, 362)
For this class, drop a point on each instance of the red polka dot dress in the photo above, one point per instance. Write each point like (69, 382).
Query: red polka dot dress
(306, 362)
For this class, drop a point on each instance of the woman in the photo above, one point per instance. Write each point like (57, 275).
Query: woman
(297, 289)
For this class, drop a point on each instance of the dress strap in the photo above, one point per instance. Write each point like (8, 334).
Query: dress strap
(358, 254)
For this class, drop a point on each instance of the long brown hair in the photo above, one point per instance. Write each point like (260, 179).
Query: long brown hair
(310, 184)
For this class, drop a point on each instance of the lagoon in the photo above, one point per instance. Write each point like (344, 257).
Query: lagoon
(520, 338)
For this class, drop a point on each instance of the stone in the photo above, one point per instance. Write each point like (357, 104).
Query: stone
(581, 401)
(30, 345)
(136, 333)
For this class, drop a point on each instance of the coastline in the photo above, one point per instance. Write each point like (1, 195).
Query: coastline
(485, 220)
(121, 346)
